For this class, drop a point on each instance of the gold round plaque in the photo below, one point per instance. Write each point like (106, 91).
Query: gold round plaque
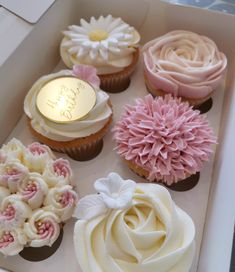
(66, 99)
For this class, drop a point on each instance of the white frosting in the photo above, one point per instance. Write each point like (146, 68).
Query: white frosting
(152, 234)
(13, 247)
(21, 212)
(4, 192)
(11, 174)
(33, 190)
(37, 162)
(61, 201)
(14, 149)
(110, 50)
(58, 173)
(92, 123)
(49, 235)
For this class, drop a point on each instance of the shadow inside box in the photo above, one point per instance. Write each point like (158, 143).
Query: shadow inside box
(186, 184)
(37, 254)
(205, 106)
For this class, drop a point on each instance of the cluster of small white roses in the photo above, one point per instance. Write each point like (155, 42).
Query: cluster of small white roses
(36, 196)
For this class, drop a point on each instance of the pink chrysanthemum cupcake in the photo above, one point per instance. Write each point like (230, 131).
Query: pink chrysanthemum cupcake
(163, 139)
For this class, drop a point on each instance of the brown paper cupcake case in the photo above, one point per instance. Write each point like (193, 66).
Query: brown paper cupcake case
(183, 185)
(80, 149)
(118, 82)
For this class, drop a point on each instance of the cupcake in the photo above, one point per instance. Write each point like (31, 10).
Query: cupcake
(68, 112)
(36, 198)
(132, 227)
(107, 43)
(163, 139)
(183, 64)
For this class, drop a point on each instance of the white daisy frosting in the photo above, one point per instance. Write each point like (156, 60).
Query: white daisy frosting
(132, 227)
(107, 43)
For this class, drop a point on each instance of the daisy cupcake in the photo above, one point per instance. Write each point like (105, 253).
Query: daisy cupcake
(185, 64)
(68, 112)
(107, 43)
(163, 139)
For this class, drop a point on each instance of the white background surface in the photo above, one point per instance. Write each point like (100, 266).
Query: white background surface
(153, 18)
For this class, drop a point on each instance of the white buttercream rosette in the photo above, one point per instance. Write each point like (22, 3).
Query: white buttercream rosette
(36, 196)
(132, 227)
(184, 64)
(42, 228)
(61, 201)
(12, 242)
(33, 190)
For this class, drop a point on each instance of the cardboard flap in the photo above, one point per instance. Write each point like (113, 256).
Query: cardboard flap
(29, 10)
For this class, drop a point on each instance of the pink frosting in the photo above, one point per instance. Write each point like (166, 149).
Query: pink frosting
(164, 136)
(87, 73)
(62, 167)
(37, 148)
(184, 64)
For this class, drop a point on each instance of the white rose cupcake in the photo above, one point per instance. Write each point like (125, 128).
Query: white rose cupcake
(108, 44)
(81, 137)
(183, 64)
(132, 227)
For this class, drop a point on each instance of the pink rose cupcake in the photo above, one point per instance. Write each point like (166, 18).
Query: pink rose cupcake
(183, 64)
(163, 139)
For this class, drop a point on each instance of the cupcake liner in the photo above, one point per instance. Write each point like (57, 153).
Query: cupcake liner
(37, 254)
(120, 81)
(83, 153)
(158, 92)
(186, 184)
(80, 149)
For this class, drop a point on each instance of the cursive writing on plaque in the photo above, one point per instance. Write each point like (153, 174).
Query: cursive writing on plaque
(66, 99)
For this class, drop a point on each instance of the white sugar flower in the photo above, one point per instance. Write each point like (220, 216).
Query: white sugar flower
(115, 192)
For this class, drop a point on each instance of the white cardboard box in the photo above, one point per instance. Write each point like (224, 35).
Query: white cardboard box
(211, 203)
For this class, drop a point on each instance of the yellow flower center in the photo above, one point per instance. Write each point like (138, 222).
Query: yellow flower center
(98, 35)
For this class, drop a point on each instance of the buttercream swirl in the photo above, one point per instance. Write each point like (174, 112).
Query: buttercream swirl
(92, 123)
(61, 201)
(42, 228)
(184, 64)
(58, 173)
(13, 212)
(14, 150)
(107, 43)
(12, 242)
(33, 190)
(165, 137)
(152, 234)
(36, 156)
(11, 174)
